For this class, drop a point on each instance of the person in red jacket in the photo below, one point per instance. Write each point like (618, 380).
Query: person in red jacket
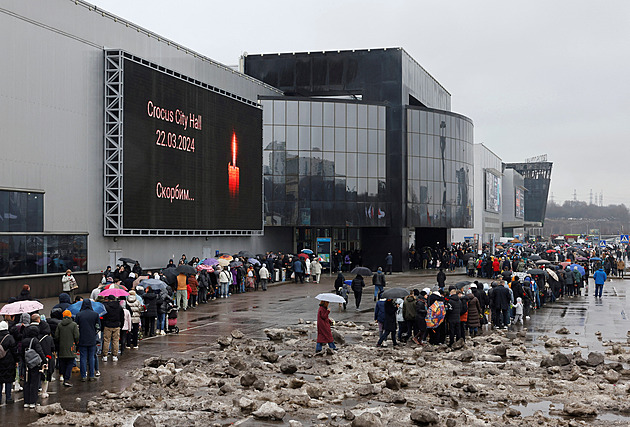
(496, 267)
(193, 290)
(324, 333)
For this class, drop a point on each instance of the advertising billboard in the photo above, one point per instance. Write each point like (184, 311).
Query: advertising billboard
(192, 157)
(493, 192)
(519, 203)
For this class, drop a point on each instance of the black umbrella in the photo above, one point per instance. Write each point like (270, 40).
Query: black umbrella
(127, 260)
(186, 269)
(362, 271)
(535, 257)
(170, 274)
(236, 264)
(394, 293)
(537, 271)
(460, 285)
(246, 254)
(543, 261)
(467, 256)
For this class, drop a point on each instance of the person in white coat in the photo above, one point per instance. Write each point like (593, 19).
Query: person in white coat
(263, 273)
(307, 273)
(316, 270)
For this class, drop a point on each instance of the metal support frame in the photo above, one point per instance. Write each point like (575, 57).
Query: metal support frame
(113, 150)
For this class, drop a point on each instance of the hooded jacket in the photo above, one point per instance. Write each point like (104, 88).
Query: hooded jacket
(409, 308)
(114, 317)
(64, 302)
(135, 307)
(88, 322)
(67, 334)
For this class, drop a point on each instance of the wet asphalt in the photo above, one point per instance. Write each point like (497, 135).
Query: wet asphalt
(284, 304)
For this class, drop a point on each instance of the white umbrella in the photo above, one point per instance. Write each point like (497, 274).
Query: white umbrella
(330, 298)
(552, 274)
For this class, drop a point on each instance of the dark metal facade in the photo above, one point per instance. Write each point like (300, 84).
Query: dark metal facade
(537, 179)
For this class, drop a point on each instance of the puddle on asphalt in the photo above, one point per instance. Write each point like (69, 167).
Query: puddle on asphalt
(199, 319)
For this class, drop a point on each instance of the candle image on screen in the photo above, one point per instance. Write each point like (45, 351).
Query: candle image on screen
(233, 172)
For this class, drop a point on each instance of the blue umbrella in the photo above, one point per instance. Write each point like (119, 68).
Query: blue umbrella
(253, 261)
(96, 306)
(596, 259)
(579, 267)
(307, 251)
(209, 261)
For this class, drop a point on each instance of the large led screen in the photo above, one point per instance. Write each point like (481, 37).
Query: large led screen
(493, 192)
(192, 157)
(519, 203)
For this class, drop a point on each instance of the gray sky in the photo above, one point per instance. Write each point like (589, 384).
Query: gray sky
(535, 76)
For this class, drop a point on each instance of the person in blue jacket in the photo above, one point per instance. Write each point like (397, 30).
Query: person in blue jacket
(600, 279)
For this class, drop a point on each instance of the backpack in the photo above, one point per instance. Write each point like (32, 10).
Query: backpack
(435, 315)
(3, 352)
(31, 357)
(464, 306)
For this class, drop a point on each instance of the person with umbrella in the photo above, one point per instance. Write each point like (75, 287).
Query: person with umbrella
(181, 294)
(324, 332)
(378, 280)
(88, 322)
(389, 327)
(112, 321)
(357, 287)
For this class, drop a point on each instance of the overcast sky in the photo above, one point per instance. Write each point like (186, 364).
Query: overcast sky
(536, 76)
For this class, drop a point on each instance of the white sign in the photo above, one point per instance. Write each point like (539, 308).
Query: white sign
(536, 159)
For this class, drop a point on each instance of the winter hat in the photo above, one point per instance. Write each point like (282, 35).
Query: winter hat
(472, 285)
(4, 326)
(132, 292)
(66, 313)
(132, 275)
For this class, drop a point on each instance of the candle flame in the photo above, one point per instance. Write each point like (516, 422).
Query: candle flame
(233, 148)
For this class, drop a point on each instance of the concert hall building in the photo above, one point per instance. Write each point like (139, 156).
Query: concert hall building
(119, 142)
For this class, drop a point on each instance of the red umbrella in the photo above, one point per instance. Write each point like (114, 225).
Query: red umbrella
(303, 255)
(549, 251)
(208, 268)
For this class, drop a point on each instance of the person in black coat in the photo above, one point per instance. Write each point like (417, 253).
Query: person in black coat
(151, 303)
(9, 362)
(25, 294)
(441, 278)
(357, 287)
(501, 304)
(421, 314)
(453, 313)
(31, 385)
(339, 282)
(112, 321)
(88, 321)
(389, 327)
(64, 302)
(48, 347)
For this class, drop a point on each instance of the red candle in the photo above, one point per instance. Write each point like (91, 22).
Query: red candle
(233, 172)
